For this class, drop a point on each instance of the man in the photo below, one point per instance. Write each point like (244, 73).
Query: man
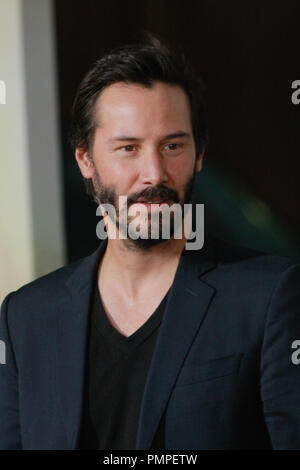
(146, 344)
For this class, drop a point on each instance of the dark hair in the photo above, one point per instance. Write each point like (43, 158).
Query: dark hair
(144, 64)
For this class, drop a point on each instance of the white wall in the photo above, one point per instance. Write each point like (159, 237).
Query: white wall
(31, 219)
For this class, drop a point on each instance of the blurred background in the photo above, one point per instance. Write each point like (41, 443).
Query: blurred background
(246, 52)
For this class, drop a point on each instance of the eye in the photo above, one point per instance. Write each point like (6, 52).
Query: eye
(173, 147)
(128, 148)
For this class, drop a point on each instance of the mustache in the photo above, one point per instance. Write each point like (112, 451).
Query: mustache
(162, 192)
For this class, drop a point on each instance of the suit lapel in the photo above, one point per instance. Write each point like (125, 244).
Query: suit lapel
(72, 341)
(187, 305)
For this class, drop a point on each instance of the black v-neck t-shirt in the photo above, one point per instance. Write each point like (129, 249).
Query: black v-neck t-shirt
(116, 372)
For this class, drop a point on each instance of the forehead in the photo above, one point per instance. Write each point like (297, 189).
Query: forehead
(125, 107)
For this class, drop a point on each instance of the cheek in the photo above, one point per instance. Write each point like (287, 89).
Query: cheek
(117, 174)
(108, 168)
(181, 171)
(124, 174)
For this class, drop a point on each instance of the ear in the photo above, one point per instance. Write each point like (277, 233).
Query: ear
(84, 162)
(199, 160)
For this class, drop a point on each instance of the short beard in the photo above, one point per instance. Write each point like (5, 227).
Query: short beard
(107, 195)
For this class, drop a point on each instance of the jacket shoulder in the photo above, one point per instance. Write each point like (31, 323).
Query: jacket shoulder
(46, 288)
(243, 259)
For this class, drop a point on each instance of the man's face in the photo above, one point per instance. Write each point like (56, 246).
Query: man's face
(144, 149)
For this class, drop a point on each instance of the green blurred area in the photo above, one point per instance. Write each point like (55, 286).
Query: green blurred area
(235, 215)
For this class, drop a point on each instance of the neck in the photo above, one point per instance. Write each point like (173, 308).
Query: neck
(137, 271)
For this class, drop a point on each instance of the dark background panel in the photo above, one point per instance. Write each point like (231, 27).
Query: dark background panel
(246, 52)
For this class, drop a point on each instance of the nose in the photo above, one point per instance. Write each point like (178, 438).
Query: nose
(153, 168)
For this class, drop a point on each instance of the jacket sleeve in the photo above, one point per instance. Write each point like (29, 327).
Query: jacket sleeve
(280, 373)
(10, 436)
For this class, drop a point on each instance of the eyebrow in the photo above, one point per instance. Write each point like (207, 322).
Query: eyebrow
(126, 138)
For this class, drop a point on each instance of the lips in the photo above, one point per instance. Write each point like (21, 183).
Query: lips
(152, 201)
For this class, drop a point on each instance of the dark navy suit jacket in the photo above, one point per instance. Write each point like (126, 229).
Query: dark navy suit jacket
(221, 376)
